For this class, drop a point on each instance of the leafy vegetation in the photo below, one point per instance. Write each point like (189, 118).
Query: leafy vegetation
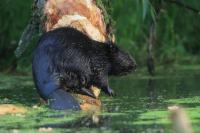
(177, 31)
(142, 101)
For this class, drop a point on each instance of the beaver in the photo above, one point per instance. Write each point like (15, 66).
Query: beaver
(67, 59)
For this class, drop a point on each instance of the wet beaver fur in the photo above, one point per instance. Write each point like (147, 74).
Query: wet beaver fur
(66, 59)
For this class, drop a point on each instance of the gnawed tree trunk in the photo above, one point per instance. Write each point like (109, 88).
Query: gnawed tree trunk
(83, 15)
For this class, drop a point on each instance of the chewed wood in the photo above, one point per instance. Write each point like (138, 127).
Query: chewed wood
(88, 103)
(11, 109)
(54, 10)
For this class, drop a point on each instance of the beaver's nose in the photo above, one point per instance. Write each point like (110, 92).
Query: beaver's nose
(135, 66)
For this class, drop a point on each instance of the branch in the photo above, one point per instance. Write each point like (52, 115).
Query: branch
(180, 4)
(151, 43)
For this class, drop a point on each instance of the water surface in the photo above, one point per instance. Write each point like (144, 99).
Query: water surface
(140, 105)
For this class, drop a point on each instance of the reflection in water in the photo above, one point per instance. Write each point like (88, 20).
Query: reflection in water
(155, 98)
(92, 120)
(140, 105)
(151, 92)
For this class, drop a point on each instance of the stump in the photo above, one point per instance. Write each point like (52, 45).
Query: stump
(83, 15)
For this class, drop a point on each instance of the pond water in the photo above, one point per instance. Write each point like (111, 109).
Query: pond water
(139, 107)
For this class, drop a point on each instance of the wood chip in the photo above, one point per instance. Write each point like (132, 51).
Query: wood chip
(96, 91)
(43, 129)
(11, 109)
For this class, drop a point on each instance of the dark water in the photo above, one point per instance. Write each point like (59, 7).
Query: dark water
(140, 105)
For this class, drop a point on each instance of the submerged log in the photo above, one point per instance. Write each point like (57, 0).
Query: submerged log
(88, 103)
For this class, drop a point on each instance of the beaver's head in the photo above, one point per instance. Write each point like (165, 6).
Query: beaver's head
(121, 63)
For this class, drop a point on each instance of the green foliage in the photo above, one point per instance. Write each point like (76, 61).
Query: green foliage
(14, 16)
(177, 30)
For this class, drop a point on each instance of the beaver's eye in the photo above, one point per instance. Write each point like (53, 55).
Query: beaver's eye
(112, 48)
(83, 81)
(62, 79)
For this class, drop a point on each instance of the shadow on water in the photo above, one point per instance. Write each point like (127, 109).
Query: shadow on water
(140, 105)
